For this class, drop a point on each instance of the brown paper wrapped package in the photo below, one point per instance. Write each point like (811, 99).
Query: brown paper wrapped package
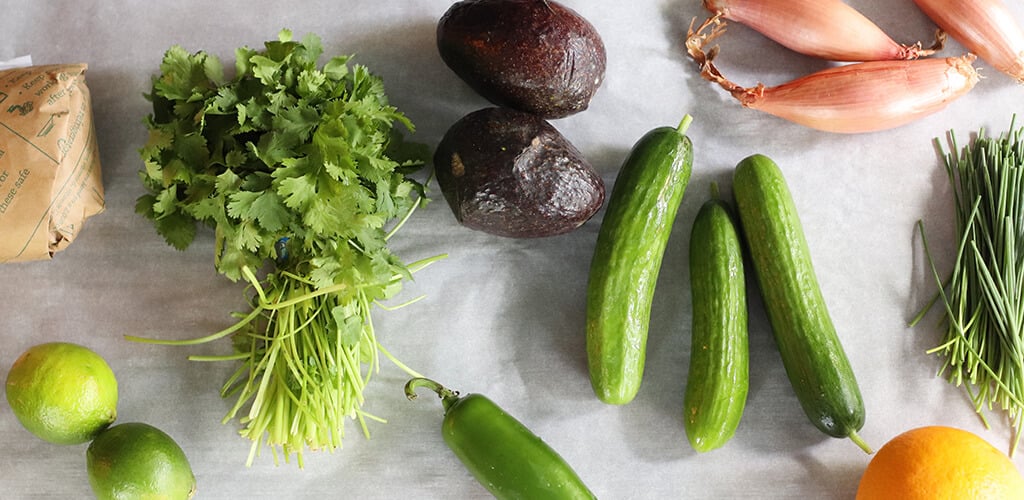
(50, 180)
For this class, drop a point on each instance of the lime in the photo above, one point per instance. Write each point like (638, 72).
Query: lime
(62, 392)
(136, 460)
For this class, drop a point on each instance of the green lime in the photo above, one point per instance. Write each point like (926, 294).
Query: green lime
(62, 392)
(138, 461)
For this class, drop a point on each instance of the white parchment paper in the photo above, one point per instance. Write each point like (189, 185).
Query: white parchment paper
(504, 317)
(17, 62)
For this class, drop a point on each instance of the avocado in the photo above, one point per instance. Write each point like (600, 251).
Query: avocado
(532, 55)
(511, 173)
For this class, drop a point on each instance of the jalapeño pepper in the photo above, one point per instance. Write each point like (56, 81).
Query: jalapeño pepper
(504, 456)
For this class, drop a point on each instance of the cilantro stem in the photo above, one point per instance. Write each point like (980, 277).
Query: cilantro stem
(299, 169)
(408, 213)
(403, 304)
(401, 222)
(406, 369)
(224, 357)
(423, 263)
(200, 340)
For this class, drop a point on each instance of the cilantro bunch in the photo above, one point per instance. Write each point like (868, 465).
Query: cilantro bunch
(299, 170)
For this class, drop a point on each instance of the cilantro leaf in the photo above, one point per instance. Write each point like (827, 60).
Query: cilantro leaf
(297, 169)
(183, 75)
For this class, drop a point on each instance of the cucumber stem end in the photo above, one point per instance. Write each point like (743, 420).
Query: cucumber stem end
(860, 442)
(684, 124)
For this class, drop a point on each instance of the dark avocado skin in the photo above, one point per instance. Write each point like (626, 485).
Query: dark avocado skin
(511, 173)
(532, 55)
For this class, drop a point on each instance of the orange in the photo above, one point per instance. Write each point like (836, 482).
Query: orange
(937, 463)
(63, 393)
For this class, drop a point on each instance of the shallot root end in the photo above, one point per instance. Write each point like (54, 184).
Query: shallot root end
(917, 50)
(696, 42)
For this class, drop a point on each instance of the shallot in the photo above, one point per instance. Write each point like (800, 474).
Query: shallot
(985, 27)
(850, 98)
(828, 29)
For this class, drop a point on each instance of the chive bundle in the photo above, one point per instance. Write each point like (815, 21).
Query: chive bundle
(983, 345)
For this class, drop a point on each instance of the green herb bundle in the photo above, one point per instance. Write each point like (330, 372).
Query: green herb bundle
(984, 297)
(303, 177)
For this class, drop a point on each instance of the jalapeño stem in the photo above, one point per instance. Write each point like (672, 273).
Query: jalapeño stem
(448, 396)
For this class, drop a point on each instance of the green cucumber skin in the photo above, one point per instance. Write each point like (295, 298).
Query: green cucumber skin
(627, 258)
(718, 379)
(814, 359)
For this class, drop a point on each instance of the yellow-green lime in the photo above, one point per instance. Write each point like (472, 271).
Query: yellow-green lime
(138, 461)
(62, 392)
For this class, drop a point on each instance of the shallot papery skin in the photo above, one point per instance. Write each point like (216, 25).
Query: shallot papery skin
(868, 96)
(985, 27)
(827, 29)
(850, 98)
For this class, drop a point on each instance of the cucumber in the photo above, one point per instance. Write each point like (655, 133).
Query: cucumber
(627, 258)
(814, 359)
(716, 387)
